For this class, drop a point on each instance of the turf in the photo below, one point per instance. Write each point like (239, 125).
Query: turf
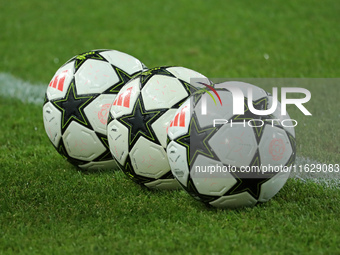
(49, 207)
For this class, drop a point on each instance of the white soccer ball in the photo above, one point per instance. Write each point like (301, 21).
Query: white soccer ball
(230, 160)
(139, 118)
(77, 103)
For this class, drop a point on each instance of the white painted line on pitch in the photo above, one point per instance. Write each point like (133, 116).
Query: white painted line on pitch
(26, 92)
(326, 179)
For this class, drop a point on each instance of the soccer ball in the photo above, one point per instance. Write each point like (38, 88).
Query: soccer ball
(230, 160)
(77, 102)
(138, 122)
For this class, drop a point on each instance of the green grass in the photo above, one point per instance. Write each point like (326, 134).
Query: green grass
(219, 39)
(48, 207)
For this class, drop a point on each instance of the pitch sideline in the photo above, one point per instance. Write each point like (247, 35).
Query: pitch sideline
(24, 91)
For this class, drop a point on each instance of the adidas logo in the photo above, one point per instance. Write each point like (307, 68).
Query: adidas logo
(58, 81)
(124, 98)
(179, 120)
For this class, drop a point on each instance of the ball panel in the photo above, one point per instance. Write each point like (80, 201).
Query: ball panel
(286, 118)
(271, 187)
(60, 82)
(95, 165)
(82, 143)
(52, 118)
(97, 112)
(215, 110)
(234, 201)
(162, 92)
(126, 98)
(95, 76)
(164, 184)
(209, 178)
(123, 61)
(118, 138)
(189, 76)
(161, 124)
(177, 155)
(234, 146)
(179, 123)
(149, 159)
(275, 148)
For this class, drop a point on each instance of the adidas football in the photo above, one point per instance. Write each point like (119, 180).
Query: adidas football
(230, 160)
(139, 118)
(77, 103)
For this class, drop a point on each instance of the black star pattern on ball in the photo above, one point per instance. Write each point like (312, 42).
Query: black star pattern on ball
(196, 140)
(63, 152)
(246, 184)
(191, 189)
(250, 181)
(130, 173)
(139, 122)
(72, 107)
(191, 90)
(146, 75)
(106, 154)
(260, 104)
(45, 99)
(196, 95)
(81, 58)
(292, 140)
(123, 79)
